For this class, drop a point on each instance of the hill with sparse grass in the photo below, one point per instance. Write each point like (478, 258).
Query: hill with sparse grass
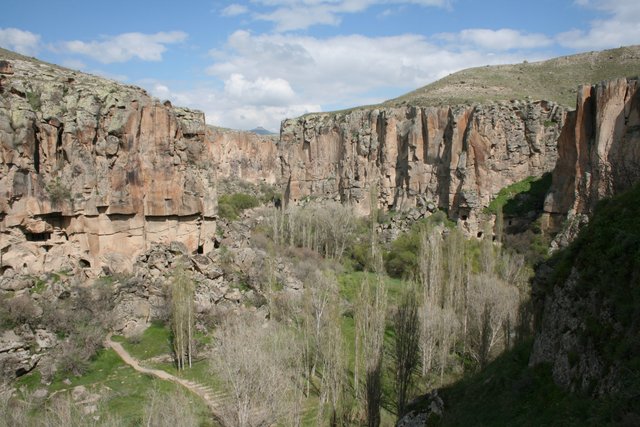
(553, 80)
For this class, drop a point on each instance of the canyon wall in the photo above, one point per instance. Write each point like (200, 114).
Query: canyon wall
(454, 158)
(92, 172)
(598, 150)
(599, 157)
(244, 155)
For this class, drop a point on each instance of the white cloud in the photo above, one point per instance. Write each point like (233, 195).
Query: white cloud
(223, 108)
(74, 64)
(24, 42)
(261, 91)
(289, 15)
(124, 47)
(498, 40)
(620, 27)
(234, 9)
(269, 77)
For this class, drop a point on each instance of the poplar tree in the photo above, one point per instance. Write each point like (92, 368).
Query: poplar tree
(182, 316)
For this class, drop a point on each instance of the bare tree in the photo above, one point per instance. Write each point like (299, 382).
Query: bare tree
(370, 323)
(494, 304)
(334, 369)
(259, 366)
(182, 316)
(169, 409)
(407, 335)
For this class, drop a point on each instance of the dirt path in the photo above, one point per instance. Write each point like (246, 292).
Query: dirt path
(211, 398)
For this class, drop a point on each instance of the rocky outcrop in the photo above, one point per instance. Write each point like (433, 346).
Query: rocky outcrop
(583, 317)
(598, 150)
(457, 158)
(246, 156)
(92, 172)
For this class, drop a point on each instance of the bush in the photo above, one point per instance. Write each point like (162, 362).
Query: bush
(57, 191)
(521, 197)
(230, 206)
(401, 260)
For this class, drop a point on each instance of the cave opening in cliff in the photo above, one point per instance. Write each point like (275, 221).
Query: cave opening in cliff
(201, 249)
(37, 237)
(83, 263)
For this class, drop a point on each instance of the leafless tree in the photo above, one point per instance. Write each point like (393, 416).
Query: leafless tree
(407, 335)
(370, 317)
(182, 316)
(494, 303)
(259, 366)
(169, 410)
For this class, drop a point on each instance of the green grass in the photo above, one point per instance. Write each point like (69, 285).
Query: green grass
(128, 389)
(155, 341)
(522, 197)
(508, 392)
(30, 381)
(350, 285)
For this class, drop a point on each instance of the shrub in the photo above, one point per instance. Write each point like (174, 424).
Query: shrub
(58, 191)
(230, 206)
(521, 197)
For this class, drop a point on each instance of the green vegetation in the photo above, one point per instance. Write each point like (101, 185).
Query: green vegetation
(508, 392)
(553, 80)
(230, 206)
(401, 258)
(522, 197)
(34, 100)
(58, 191)
(154, 341)
(607, 256)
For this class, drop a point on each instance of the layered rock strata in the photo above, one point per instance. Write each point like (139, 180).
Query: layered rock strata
(92, 172)
(457, 158)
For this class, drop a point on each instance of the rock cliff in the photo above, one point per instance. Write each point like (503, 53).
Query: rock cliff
(457, 158)
(247, 156)
(588, 329)
(92, 172)
(599, 148)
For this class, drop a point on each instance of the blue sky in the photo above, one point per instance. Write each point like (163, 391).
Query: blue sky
(248, 64)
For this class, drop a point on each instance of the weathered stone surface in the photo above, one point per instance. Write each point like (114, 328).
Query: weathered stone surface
(599, 148)
(244, 155)
(456, 158)
(92, 172)
(599, 157)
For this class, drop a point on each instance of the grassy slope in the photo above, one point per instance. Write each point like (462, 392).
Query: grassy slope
(508, 392)
(552, 80)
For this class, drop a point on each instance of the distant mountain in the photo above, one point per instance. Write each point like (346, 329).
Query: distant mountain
(262, 131)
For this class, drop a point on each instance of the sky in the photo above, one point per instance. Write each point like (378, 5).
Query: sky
(254, 63)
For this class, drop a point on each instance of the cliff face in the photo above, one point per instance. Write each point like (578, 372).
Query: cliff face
(456, 158)
(92, 172)
(244, 155)
(586, 314)
(599, 149)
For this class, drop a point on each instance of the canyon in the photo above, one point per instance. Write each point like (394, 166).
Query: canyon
(94, 173)
(96, 176)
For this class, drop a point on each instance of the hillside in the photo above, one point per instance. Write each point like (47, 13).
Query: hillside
(552, 80)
